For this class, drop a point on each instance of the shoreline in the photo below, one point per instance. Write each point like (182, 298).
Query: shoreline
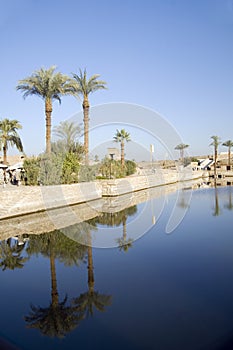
(23, 200)
(74, 215)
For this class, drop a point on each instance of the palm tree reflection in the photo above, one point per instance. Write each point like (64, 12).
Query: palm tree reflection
(124, 243)
(11, 255)
(229, 205)
(58, 318)
(91, 299)
(217, 211)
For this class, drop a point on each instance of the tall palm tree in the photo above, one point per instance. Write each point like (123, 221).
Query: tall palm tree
(50, 86)
(181, 147)
(215, 144)
(68, 132)
(10, 136)
(121, 136)
(229, 144)
(84, 86)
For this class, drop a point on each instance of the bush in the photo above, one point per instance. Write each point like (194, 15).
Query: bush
(113, 168)
(52, 169)
(32, 169)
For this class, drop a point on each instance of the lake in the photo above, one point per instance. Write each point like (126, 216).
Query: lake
(133, 286)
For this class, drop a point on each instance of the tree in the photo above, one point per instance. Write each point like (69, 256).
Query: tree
(84, 86)
(48, 85)
(121, 136)
(228, 144)
(181, 147)
(10, 136)
(68, 132)
(215, 143)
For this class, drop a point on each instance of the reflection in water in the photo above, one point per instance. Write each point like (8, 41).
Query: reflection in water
(160, 263)
(57, 319)
(116, 219)
(217, 211)
(229, 205)
(10, 255)
(60, 318)
(86, 302)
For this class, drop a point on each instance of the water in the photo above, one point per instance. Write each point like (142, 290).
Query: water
(160, 291)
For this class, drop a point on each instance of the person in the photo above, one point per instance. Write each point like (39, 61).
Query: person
(18, 177)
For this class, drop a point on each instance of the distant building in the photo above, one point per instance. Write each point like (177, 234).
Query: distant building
(13, 159)
(115, 152)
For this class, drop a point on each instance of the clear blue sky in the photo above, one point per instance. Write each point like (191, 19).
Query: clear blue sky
(172, 56)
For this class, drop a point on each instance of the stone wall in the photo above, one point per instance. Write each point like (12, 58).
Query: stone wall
(23, 200)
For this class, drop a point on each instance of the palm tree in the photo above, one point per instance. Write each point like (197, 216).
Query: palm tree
(215, 143)
(121, 136)
(50, 86)
(84, 86)
(9, 136)
(228, 144)
(181, 148)
(68, 132)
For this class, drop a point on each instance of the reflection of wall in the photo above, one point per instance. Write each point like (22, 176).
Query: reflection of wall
(47, 221)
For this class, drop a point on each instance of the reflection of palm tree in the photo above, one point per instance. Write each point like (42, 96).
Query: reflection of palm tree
(123, 243)
(57, 319)
(10, 255)
(182, 203)
(216, 208)
(86, 302)
(229, 205)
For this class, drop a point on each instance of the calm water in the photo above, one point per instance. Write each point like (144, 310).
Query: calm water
(160, 291)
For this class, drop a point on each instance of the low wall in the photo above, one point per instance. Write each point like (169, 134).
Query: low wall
(116, 187)
(22, 200)
(71, 219)
(16, 201)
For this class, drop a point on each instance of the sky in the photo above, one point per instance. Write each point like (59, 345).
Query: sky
(172, 57)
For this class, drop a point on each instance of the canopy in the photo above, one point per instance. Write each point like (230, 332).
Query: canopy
(18, 165)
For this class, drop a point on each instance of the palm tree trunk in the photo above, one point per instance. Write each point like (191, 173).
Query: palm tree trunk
(122, 154)
(182, 155)
(86, 128)
(48, 114)
(215, 161)
(4, 154)
(229, 156)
